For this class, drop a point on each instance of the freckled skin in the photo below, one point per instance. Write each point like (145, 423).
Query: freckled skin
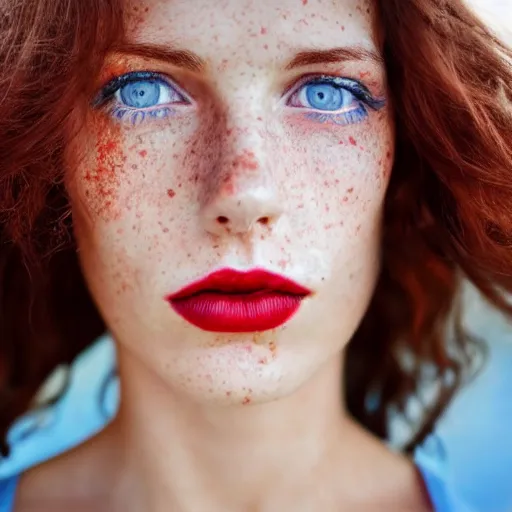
(147, 199)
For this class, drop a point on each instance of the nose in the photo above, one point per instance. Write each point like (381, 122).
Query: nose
(240, 213)
(242, 193)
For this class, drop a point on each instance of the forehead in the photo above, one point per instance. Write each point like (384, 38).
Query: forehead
(250, 29)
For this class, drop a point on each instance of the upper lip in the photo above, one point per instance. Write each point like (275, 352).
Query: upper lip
(232, 281)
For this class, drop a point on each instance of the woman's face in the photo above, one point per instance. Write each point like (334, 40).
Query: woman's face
(235, 136)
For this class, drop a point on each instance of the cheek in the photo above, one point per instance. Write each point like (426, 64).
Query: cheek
(99, 169)
(342, 171)
(335, 184)
(123, 173)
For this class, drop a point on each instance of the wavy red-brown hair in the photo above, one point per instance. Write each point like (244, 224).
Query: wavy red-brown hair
(447, 213)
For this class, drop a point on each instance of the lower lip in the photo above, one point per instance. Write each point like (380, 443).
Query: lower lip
(251, 312)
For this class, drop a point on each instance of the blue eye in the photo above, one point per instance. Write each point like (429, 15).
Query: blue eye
(339, 100)
(141, 94)
(143, 90)
(325, 96)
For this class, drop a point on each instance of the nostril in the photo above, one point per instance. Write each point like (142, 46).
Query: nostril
(264, 220)
(222, 220)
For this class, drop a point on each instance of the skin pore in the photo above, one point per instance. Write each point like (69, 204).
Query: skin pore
(241, 161)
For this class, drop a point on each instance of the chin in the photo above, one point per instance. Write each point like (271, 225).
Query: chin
(239, 373)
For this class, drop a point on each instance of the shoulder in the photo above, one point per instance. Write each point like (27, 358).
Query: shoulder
(69, 481)
(44, 437)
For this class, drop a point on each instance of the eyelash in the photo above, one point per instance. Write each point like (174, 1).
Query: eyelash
(357, 113)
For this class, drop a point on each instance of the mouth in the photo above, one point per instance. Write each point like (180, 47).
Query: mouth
(230, 301)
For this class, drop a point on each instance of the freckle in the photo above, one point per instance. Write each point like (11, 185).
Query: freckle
(143, 153)
(265, 46)
(304, 2)
(228, 186)
(248, 348)
(171, 193)
(343, 27)
(247, 400)
(350, 190)
(263, 30)
(228, 393)
(352, 141)
(246, 161)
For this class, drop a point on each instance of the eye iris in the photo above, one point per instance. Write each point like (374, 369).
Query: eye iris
(324, 97)
(141, 94)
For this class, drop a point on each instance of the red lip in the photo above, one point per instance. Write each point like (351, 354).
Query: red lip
(233, 301)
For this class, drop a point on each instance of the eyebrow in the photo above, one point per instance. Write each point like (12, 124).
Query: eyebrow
(178, 57)
(333, 55)
(192, 62)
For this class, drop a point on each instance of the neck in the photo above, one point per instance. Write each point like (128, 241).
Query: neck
(195, 456)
